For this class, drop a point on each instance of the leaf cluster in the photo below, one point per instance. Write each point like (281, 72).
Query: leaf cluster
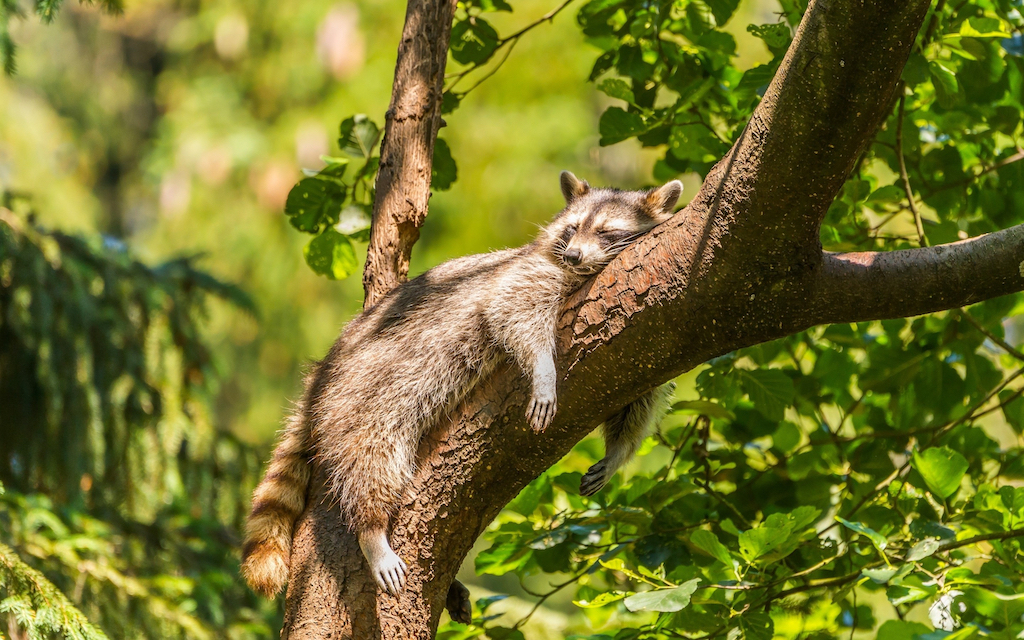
(337, 207)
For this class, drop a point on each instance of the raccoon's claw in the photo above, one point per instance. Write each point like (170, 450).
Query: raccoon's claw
(594, 479)
(389, 572)
(458, 604)
(540, 413)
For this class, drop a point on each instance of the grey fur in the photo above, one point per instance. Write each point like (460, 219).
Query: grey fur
(411, 358)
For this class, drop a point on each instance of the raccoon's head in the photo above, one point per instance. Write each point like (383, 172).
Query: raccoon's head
(597, 224)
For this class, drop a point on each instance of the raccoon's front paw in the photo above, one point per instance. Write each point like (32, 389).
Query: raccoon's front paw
(541, 412)
(389, 572)
(595, 478)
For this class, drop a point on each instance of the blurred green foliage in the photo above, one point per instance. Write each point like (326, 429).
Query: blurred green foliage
(115, 475)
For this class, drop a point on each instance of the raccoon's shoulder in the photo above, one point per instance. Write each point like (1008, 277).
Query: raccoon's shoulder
(450, 289)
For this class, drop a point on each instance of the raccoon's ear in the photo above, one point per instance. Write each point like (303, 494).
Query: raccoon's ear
(572, 187)
(660, 202)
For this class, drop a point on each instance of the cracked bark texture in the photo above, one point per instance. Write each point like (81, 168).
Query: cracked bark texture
(407, 151)
(742, 264)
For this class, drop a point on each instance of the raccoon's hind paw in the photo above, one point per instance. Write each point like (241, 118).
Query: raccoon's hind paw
(541, 412)
(595, 478)
(389, 572)
(457, 603)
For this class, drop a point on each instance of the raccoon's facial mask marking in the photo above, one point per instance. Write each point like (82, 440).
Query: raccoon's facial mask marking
(597, 224)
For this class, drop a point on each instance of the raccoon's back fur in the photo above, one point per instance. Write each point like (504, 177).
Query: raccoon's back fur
(413, 356)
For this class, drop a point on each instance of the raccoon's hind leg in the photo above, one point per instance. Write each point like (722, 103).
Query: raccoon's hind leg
(623, 432)
(370, 486)
(388, 569)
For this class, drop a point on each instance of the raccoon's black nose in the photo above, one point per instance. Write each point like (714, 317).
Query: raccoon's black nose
(572, 256)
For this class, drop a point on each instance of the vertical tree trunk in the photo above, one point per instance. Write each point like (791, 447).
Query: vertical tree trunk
(407, 153)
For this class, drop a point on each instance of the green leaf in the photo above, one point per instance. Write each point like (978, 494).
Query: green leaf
(359, 136)
(923, 549)
(889, 194)
(473, 41)
(770, 390)
(617, 125)
(331, 254)
(981, 27)
(757, 626)
(947, 89)
(708, 543)
(876, 538)
(488, 6)
(602, 599)
(722, 10)
(314, 204)
(776, 36)
(616, 88)
(900, 630)
(757, 542)
(353, 220)
(942, 469)
(443, 171)
(663, 600)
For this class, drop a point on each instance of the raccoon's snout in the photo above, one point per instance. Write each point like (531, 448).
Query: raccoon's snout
(572, 257)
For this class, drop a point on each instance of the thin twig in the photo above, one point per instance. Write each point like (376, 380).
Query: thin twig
(903, 171)
(1006, 346)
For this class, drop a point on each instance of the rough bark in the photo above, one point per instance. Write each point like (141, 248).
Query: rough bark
(407, 152)
(740, 265)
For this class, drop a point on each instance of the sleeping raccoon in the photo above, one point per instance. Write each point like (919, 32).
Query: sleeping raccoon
(414, 356)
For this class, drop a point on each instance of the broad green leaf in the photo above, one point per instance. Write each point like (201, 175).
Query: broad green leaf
(352, 220)
(876, 538)
(722, 10)
(770, 390)
(331, 254)
(947, 88)
(889, 194)
(617, 125)
(359, 136)
(708, 542)
(776, 36)
(473, 41)
(942, 469)
(757, 542)
(981, 27)
(616, 88)
(443, 171)
(900, 630)
(663, 600)
(757, 625)
(602, 599)
(923, 549)
(314, 204)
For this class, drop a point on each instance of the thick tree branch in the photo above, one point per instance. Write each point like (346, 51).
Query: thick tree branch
(853, 287)
(407, 152)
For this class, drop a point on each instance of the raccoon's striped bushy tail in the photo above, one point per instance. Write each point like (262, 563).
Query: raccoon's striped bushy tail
(277, 502)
